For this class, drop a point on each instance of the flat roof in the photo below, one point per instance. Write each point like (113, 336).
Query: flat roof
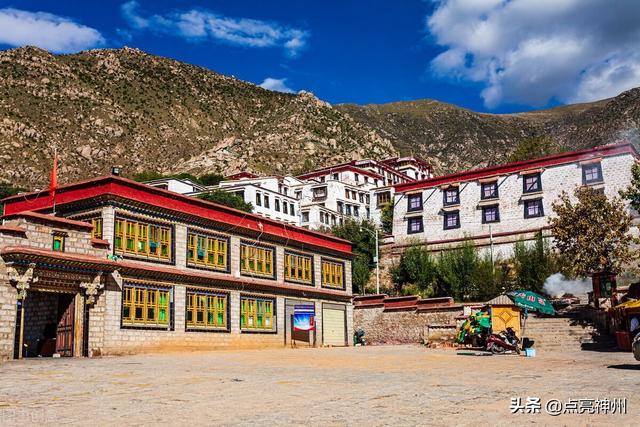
(509, 168)
(146, 194)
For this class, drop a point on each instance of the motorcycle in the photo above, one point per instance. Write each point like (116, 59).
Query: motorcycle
(504, 341)
(358, 338)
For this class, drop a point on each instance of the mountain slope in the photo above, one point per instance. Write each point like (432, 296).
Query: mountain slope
(143, 112)
(146, 113)
(456, 138)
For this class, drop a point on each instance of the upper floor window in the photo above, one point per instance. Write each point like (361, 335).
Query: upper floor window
(489, 190)
(298, 195)
(340, 206)
(490, 214)
(277, 203)
(258, 199)
(292, 209)
(320, 192)
(58, 241)
(592, 173)
(139, 238)
(97, 228)
(256, 260)
(332, 274)
(207, 251)
(383, 198)
(356, 211)
(532, 183)
(336, 176)
(305, 216)
(451, 220)
(361, 195)
(266, 201)
(348, 209)
(415, 225)
(285, 208)
(533, 208)
(451, 196)
(414, 202)
(357, 177)
(298, 267)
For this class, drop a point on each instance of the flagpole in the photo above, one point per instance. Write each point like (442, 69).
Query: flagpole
(54, 177)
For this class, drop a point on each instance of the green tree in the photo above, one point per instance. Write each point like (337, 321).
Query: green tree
(147, 176)
(533, 263)
(227, 199)
(531, 148)
(456, 269)
(362, 235)
(416, 267)
(209, 179)
(386, 218)
(7, 190)
(592, 234)
(632, 193)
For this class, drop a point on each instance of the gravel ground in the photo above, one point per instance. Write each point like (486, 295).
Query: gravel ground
(399, 385)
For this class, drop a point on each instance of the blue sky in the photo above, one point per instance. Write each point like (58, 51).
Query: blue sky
(486, 55)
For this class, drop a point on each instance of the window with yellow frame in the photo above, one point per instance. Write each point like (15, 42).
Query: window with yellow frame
(145, 306)
(206, 310)
(142, 239)
(207, 251)
(332, 274)
(298, 268)
(256, 260)
(256, 314)
(97, 228)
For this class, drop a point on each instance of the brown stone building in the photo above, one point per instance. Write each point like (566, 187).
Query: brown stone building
(123, 267)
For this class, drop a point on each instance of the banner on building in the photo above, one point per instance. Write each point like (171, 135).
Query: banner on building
(303, 317)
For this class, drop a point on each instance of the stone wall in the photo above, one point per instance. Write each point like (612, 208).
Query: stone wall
(7, 315)
(405, 320)
(400, 327)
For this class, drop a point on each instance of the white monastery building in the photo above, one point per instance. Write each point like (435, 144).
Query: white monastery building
(498, 206)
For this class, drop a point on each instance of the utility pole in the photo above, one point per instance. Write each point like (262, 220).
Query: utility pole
(493, 268)
(377, 266)
(376, 259)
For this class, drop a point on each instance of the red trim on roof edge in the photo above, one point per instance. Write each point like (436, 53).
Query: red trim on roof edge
(551, 160)
(49, 218)
(101, 263)
(132, 190)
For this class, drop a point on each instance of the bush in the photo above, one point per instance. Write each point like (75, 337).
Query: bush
(533, 264)
(416, 269)
(227, 199)
(362, 235)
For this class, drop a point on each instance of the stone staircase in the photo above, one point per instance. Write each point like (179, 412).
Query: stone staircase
(572, 329)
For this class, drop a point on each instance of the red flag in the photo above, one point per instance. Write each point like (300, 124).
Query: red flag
(54, 175)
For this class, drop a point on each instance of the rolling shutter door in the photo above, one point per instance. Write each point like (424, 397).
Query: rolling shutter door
(333, 326)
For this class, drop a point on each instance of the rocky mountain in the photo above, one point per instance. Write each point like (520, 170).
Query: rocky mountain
(146, 113)
(455, 138)
(142, 112)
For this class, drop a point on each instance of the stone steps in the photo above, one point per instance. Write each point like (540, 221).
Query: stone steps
(570, 330)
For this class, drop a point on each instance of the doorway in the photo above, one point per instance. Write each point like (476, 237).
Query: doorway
(49, 324)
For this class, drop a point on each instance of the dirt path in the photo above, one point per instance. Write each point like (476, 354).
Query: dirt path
(401, 385)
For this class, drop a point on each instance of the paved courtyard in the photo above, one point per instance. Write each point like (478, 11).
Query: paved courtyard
(402, 385)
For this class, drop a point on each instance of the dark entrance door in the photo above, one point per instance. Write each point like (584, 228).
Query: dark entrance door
(64, 333)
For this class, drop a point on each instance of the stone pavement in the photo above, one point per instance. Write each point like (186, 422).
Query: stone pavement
(400, 385)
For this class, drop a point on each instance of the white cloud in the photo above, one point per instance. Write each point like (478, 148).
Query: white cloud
(200, 24)
(51, 32)
(535, 51)
(278, 85)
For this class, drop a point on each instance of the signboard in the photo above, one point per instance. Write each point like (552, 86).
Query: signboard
(303, 317)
